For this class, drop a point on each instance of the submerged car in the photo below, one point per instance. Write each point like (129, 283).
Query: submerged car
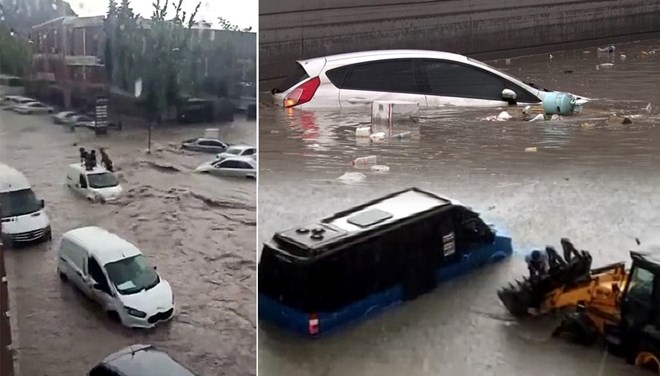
(63, 117)
(351, 265)
(32, 108)
(14, 101)
(82, 121)
(245, 167)
(114, 273)
(139, 360)
(96, 185)
(238, 151)
(205, 145)
(428, 78)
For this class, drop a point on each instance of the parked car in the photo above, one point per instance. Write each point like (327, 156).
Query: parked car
(63, 117)
(98, 184)
(428, 78)
(238, 151)
(13, 101)
(32, 108)
(114, 273)
(206, 145)
(139, 360)
(234, 166)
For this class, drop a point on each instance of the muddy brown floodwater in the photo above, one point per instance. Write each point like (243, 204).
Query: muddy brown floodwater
(198, 230)
(596, 184)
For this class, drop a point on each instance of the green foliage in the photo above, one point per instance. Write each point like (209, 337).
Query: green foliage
(15, 53)
(167, 56)
(226, 25)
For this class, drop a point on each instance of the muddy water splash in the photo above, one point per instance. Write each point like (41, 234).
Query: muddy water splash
(198, 230)
(595, 183)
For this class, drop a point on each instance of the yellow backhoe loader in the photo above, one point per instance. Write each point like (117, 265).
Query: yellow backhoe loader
(618, 306)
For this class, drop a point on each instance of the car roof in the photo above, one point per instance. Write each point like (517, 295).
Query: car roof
(102, 244)
(315, 65)
(249, 160)
(11, 179)
(208, 139)
(241, 147)
(78, 167)
(145, 360)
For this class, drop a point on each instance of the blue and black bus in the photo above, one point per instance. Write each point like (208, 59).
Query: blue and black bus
(318, 277)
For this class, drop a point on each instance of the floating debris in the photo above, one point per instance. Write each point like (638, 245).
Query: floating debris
(531, 149)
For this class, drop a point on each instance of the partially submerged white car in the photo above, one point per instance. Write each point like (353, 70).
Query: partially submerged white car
(32, 108)
(116, 275)
(238, 151)
(245, 167)
(428, 78)
(96, 185)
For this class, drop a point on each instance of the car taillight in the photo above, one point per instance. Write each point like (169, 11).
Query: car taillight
(303, 93)
(313, 324)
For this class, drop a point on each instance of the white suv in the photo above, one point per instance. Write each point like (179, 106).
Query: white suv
(428, 78)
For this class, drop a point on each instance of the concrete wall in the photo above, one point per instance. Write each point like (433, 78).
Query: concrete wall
(298, 29)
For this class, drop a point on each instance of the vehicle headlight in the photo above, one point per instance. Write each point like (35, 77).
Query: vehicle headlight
(135, 312)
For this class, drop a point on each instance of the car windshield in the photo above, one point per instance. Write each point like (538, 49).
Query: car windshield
(84, 118)
(132, 275)
(102, 180)
(19, 203)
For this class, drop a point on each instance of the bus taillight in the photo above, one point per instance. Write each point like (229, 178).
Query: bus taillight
(313, 324)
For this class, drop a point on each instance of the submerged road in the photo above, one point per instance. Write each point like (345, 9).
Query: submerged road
(596, 183)
(198, 230)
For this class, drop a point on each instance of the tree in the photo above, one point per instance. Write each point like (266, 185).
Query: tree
(224, 24)
(168, 60)
(15, 54)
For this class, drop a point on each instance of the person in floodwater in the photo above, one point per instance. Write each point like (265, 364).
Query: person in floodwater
(90, 163)
(83, 155)
(537, 263)
(105, 160)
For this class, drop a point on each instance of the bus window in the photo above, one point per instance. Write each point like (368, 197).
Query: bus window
(471, 231)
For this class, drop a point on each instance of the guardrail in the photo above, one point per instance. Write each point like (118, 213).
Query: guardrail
(6, 350)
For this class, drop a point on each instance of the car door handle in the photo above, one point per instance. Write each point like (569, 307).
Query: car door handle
(358, 100)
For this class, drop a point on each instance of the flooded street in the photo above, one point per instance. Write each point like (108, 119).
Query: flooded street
(197, 230)
(595, 183)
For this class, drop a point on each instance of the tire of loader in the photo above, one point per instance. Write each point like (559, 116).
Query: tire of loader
(577, 328)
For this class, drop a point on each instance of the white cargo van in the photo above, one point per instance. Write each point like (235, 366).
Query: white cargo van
(97, 184)
(115, 274)
(24, 218)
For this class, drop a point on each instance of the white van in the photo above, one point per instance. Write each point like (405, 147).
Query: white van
(115, 274)
(97, 184)
(24, 218)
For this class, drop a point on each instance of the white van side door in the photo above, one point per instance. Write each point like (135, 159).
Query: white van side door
(72, 263)
(99, 285)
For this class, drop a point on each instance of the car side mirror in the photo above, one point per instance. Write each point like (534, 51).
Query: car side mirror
(43, 203)
(155, 267)
(509, 96)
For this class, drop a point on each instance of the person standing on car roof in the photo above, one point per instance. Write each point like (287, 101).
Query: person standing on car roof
(83, 155)
(90, 163)
(105, 160)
